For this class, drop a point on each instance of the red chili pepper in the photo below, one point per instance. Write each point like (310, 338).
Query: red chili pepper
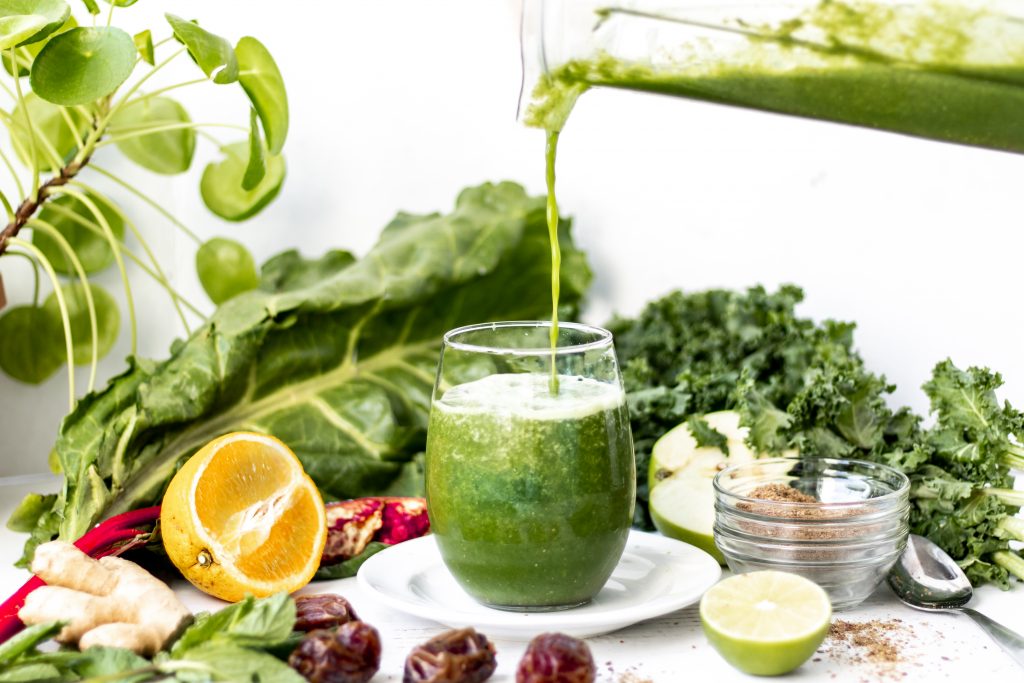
(114, 536)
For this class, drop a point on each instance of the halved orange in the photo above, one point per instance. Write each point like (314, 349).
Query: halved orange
(242, 517)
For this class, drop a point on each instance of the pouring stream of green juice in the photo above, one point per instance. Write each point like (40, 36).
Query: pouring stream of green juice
(946, 71)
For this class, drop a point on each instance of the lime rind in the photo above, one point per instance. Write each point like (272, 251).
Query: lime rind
(766, 623)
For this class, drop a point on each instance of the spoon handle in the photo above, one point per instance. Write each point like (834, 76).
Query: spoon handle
(1011, 641)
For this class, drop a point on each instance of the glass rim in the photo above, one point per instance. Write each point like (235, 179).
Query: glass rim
(902, 489)
(603, 338)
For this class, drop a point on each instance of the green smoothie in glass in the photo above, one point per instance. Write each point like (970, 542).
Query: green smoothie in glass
(531, 492)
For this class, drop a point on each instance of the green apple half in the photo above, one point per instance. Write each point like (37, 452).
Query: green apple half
(682, 500)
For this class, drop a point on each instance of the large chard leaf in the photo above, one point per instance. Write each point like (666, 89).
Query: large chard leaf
(336, 357)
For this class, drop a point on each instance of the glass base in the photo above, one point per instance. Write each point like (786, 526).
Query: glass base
(533, 608)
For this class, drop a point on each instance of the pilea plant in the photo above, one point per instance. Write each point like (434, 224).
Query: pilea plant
(77, 89)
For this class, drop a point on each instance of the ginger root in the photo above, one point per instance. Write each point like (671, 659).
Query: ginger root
(110, 602)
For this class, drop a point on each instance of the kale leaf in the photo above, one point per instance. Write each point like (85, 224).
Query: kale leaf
(690, 354)
(801, 385)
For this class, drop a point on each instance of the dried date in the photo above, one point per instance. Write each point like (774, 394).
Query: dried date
(349, 655)
(556, 658)
(325, 610)
(458, 656)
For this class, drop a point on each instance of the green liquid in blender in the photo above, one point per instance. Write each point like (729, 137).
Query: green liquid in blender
(932, 70)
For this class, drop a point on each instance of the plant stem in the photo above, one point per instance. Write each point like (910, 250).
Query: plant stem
(35, 271)
(162, 279)
(1011, 527)
(115, 138)
(1009, 497)
(62, 305)
(7, 205)
(1010, 561)
(56, 161)
(104, 121)
(96, 230)
(116, 247)
(38, 224)
(29, 128)
(14, 175)
(151, 202)
(1014, 456)
(206, 136)
(161, 91)
(75, 133)
(30, 205)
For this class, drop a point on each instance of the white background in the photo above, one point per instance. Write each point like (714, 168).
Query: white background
(398, 104)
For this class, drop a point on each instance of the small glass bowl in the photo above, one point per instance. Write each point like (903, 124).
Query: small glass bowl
(846, 542)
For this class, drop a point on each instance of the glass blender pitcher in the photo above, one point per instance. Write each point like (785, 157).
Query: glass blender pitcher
(950, 70)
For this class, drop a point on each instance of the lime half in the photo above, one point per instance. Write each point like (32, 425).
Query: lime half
(765, 623)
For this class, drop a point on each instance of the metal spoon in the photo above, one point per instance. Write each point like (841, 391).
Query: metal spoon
(926, 578)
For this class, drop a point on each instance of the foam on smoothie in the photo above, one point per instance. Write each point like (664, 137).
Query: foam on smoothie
(528, 395)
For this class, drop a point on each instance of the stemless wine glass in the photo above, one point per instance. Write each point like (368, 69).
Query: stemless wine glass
(530, 486)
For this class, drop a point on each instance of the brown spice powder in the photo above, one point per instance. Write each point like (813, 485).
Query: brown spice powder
(631, 677)
(882, 648)
(876, 641)
(781, 492)
(798, 513)
(777, 503)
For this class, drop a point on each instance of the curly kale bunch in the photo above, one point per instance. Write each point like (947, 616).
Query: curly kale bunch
(800, 384)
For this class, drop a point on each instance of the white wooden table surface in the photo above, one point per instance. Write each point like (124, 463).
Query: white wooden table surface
(663, 650)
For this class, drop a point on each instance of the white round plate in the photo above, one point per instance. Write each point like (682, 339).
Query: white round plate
(655, 576)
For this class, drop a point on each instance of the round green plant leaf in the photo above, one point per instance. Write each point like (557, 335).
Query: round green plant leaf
(14, 30)
(83, 65)
(33, 345)
(262, 82)
(34, 48)
(256, 168)
(144, 44)
(213, 54)
(226, 269)
(50, 124)
(47, 15)
(108, 320)
(168, 151)
(70, 217)
(221, 184)
(121, 3)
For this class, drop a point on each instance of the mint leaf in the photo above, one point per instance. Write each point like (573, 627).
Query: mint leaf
(27, 640)
(249, 623)
(223, 661)
(110, 661)
(31, 672)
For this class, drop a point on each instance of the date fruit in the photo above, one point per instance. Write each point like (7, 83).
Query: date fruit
(556, 658)
(324, 610)
(458, 656)
(349, 655)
